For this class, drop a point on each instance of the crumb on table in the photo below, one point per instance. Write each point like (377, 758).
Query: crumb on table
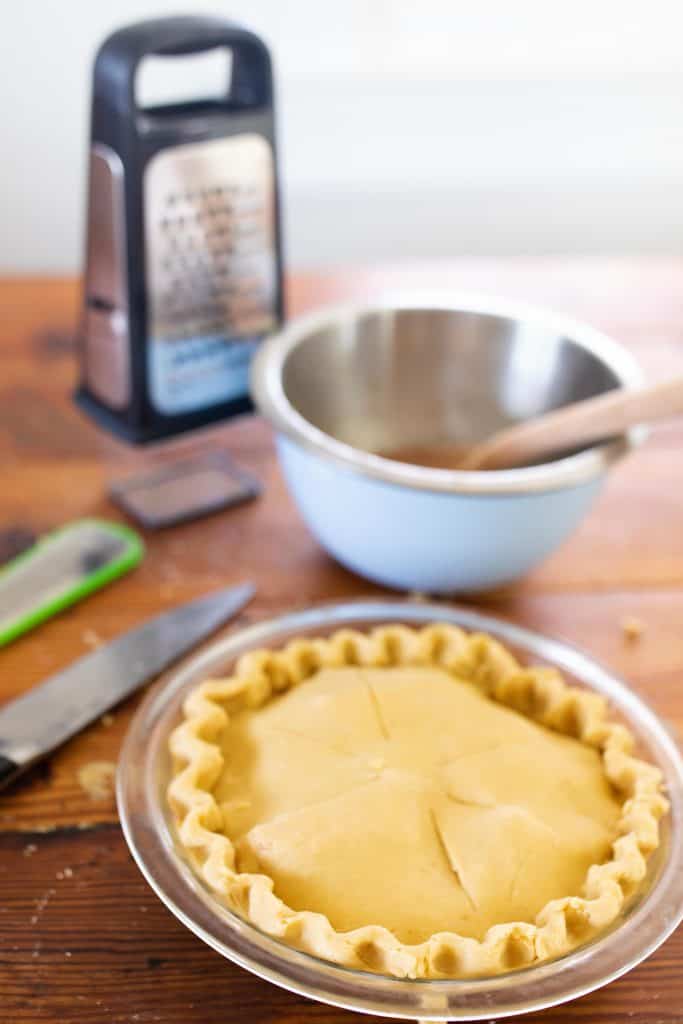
(96, 778)
(90, 638)
(632, 628)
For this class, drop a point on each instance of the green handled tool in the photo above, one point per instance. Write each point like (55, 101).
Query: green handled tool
(62, 568)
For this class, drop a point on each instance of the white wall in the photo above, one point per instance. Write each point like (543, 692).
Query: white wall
(409, 128)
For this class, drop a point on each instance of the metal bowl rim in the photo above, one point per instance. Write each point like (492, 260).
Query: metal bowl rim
(272, 402)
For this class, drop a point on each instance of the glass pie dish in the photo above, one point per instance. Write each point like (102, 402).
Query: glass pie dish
(144, 772)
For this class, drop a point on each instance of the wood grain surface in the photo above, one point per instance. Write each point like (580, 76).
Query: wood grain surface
(82, 937)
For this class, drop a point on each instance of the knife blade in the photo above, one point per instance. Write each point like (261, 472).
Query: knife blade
(34, 724)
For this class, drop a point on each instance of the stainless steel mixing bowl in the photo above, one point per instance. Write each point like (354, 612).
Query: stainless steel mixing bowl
(348, 383)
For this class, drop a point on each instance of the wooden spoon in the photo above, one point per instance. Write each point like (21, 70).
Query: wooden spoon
(572, 426)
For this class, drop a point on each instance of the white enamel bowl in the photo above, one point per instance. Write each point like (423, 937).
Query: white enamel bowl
(345, 384)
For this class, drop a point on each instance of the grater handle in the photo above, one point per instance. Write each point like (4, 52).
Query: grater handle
(178, 36)
(119, 56)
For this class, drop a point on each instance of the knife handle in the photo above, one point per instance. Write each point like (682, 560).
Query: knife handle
(9, 770)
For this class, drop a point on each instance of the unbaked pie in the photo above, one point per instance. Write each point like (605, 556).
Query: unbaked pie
(413, 802)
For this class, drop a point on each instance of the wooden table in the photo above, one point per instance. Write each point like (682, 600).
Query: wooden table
(82, 937)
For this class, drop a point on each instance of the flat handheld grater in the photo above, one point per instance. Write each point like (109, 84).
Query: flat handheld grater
(61, 569)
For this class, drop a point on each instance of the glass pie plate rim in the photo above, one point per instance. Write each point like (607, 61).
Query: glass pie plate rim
(148, 829)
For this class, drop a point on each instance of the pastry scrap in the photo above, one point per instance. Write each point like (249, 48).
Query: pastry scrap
(96, 778)
(632, 628)
(412, 802)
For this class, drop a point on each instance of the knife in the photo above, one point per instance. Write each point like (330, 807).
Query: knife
(33, 725)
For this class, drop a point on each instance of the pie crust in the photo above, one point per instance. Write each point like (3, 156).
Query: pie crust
(429, 778)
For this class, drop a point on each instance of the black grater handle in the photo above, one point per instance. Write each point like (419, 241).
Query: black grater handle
(178, 36)
(120, 54)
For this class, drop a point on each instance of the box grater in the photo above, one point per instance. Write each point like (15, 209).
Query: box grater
(183, 274)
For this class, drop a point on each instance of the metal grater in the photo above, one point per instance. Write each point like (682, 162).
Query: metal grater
(210, 265)
(183, 271)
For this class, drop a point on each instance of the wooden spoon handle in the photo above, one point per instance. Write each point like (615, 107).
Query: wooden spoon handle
(594, 419)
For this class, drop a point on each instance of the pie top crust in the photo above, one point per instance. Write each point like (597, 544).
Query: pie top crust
(412, 802)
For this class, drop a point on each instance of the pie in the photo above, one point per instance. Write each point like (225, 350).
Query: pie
(412, 802)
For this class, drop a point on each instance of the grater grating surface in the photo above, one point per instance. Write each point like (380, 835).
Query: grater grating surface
(210, 239)
(212, 267)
